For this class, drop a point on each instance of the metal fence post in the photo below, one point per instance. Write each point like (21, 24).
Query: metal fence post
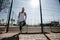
(7, 27)
(41, 16)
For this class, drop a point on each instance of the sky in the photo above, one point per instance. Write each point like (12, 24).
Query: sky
(50, 11)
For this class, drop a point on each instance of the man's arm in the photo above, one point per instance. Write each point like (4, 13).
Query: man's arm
(25, 15)
(18, 16)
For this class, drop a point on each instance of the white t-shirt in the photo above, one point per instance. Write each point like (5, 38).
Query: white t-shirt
(21, 17)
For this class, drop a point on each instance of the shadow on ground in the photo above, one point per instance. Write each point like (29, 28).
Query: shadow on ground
(14, 37)
(47, 37)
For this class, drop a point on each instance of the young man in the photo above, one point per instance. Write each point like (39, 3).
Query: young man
(22, 19)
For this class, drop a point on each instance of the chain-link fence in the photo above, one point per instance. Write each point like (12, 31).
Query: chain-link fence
(50, 15)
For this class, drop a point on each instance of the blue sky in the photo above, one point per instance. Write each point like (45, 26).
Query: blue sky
(50, 10)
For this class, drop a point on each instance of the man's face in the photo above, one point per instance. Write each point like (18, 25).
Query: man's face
(22, 9)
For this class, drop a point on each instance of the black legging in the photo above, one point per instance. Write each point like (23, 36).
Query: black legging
(21, 24)
(20, 27)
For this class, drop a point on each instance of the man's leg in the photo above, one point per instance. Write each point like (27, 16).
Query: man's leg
(20, 27)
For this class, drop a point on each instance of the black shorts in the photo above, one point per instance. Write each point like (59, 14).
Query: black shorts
(22, 23)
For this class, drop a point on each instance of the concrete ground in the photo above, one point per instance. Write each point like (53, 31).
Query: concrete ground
(18, 36)
(14, 34)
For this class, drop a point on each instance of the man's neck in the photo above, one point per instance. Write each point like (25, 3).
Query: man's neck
(22, 12)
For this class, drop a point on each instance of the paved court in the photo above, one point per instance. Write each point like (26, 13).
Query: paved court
(14, 34)
(18, 36)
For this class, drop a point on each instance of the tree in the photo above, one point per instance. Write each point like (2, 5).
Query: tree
(2, 21)
(12, 21)
(1, 1)
(4, 4)
(59, 1)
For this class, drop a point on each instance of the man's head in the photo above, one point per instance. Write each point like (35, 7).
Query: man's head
(23, 9)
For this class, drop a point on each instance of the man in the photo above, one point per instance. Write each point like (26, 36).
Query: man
(22, 19)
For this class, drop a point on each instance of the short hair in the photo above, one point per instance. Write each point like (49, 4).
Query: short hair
(22, 7)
